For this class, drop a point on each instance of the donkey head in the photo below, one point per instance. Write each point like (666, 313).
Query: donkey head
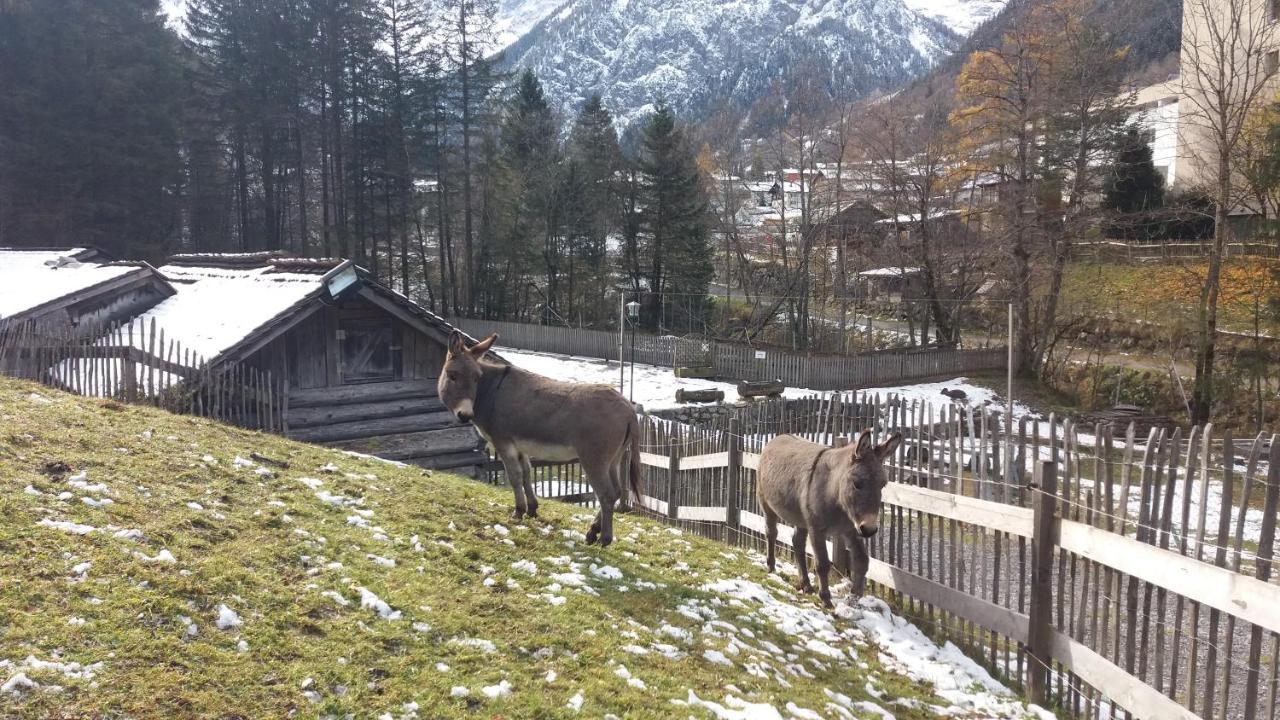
(460, 376)
(861, 479)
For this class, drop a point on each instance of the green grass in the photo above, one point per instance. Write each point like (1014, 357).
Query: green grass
(265, 546)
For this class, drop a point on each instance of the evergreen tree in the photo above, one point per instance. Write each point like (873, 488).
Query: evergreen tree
(529, 164)
(1135, 185)
(89, 126)
(678, 259)
(591, 176)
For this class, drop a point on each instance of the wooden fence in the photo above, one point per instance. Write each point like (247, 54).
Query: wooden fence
(136, 363)
(740, 362)
(1107, 575)
(1134, 250)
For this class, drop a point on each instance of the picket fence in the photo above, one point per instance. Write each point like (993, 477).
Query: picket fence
(135, 363)
(740, 362)
(1106, 575)
(1136, 250)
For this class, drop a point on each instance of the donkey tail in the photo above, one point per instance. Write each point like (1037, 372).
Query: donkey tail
(633, 432)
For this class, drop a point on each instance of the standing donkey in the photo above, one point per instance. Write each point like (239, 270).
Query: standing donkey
(823, 492)
(527, 417)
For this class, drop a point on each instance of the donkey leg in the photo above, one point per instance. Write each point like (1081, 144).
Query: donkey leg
(771, 535)
(515, 476)
(602, 529)
(531, 499)
(858, 564)
(802, 561)
(819, 542)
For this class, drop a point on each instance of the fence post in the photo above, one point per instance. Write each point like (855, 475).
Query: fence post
(733, 484)
(1044, 536)
(129, 376)
(1262, 571)
(840, 557)
(673, 474)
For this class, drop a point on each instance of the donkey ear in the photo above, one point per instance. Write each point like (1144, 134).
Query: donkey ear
(887, 448)
(863, 445)
(456, 346)
(483, 346)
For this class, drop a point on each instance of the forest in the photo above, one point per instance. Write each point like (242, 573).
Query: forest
(386, 131)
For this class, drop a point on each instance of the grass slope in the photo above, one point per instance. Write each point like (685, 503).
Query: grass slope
(112, 609)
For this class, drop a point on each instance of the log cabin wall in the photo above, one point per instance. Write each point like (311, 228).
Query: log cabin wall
(363, 380)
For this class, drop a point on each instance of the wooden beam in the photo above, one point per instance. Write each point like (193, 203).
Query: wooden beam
(702, 514)
(999, 619)
(366, 393)
(1247, 598)
(654, 460)
(305, 417)
(700, 462)
(1121, 688)
(411, 445)
(996, 516)
(374, 428)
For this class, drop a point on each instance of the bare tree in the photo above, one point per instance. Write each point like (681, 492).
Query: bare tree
(1228, 57)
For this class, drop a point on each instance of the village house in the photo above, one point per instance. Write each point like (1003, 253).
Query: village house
(354, 363)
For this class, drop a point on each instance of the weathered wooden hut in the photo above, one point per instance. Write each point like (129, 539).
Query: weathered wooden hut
(352, 363)
(74, 289)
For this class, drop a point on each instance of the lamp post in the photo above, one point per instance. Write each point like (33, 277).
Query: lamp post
(633, 312)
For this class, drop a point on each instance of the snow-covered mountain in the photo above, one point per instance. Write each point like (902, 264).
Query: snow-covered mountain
(695, 53)
(962, 16)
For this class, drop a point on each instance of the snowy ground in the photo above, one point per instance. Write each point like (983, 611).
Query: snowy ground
(655, 387)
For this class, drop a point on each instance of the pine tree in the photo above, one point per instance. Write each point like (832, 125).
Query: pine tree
(678, 258)
(1134, 185)
(529, 158)
(592, 166)
(89, 126)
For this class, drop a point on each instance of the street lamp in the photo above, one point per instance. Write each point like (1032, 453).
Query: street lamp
(633, 313)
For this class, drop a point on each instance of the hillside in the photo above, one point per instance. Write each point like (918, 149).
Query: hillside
(1151, 28)
(149, 569)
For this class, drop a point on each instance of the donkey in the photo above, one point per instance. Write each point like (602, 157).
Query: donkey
(823, 492)
(526, 416)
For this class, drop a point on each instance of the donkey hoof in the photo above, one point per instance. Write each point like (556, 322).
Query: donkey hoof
(606, 541)
(517, 514)
(805, 588)
(592, 534)
(826, 600)
(533, 511)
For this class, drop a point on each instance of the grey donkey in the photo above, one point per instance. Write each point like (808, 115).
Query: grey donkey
(526, 417)
(824, 492)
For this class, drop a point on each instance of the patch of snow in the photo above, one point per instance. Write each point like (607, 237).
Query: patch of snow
(459, 691)
(370, 601)
(494, 692)
(484, 646)
(67, 526)
(227, 618)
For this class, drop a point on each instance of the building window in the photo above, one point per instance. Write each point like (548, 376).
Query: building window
(1273, 62)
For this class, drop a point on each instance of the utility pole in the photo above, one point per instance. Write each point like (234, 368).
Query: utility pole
(622, 339)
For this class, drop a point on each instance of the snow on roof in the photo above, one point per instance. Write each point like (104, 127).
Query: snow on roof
(910, 218)
(890, 272)
(215, 308)
(31, 278)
